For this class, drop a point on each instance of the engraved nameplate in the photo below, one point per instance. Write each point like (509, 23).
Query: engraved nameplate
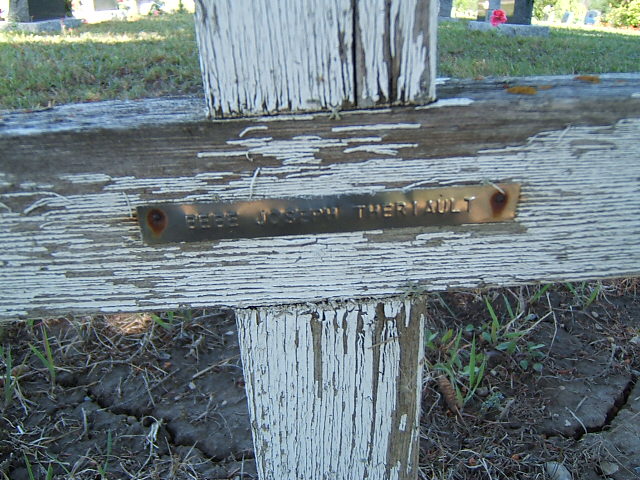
(173, 222)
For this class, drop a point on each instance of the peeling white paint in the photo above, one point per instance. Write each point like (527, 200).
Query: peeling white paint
(252, 129)
(223, 153)
(386, 149)
(571, 226)
(303, 57)
(362, 139)
(447, 102)
(403, 423)
(278, 64)
(84, 178)
(322, 381)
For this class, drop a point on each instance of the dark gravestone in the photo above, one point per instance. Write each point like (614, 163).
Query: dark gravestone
(46, 9)
(445, 8)
(100, 5)
(522, 12)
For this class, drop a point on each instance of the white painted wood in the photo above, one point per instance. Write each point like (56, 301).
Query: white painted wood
(269, 56)
(290, 55)
(396, 51)
(77, 252)
(68, 242)
(334, 389)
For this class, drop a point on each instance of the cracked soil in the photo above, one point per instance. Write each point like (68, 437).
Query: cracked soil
(143, 398)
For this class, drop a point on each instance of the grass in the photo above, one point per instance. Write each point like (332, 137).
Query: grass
(505, 329)
(47, 357)
(148, 57)
(156, 56)
(462, 354)
(567, 51)
(102, 470)
(9, 382)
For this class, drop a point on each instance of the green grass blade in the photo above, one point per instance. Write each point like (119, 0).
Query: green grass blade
(105, 467)
(541, 291)
(472, 362)
(29, 469)
(9, 382)
(44, 361)
(38, 354)
(161, 322)
(507, 305)
(47, 350)
(571, 288)
(495, 324)
(594, 294)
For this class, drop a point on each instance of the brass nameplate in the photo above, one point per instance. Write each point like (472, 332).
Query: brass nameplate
(173, 222)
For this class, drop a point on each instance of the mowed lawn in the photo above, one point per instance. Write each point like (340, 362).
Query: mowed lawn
(156, 56)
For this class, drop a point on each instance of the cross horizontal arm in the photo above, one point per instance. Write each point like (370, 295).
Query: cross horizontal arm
(69, 190)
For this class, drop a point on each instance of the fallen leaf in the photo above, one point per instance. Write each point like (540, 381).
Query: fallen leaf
(449, 393)
(588, 78)
(522, 90)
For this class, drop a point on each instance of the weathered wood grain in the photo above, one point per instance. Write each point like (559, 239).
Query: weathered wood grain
(68, 241)
(334, 389)
(395, 51)
(290, 55)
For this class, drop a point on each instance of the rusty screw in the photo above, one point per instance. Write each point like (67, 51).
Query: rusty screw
(157, 221)
(498, 202)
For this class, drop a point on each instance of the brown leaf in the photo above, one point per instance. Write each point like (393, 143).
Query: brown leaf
(588, 78)
(522, 90)
(449, 394)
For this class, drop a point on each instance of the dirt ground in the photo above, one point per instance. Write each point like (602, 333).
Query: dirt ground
(138, 397)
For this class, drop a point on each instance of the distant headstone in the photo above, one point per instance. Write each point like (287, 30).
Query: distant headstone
(46, 9)
(522, 12)
(19, 11)
(101, 5)
(445, 8)
(567, 17)
(53, 25)
(493, 5)
(518, 11)
(22, 11)
(592, 16)
(511, 30)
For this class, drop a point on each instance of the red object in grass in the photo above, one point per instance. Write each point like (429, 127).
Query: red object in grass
(498, 17)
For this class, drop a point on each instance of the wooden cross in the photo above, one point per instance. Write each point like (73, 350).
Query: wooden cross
(312, 99)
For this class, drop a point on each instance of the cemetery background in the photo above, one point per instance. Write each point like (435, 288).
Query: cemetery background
(155, 56)
(162, 396)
